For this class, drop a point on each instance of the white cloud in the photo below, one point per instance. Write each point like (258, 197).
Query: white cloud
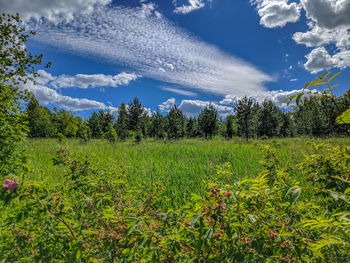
(54, 11)
(179, 91)
(47, 96)
(153, 47)
(319, 59)
(195, 107)
(277, 13)
(91, 81)
(189, 7)
(328, 22)
(293, 80)
(276, 96)
(46, 84)
(167, 105)
(328, 13)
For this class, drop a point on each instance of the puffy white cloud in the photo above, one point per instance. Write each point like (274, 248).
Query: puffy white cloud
(53, 10)
(277, 13)
(46, 84)
(153, 47)
(328, 13)
(47, 96)
(189, 7)
(195, 107)
(319, 59)
(167, 105)
(91, 81)
(276, 96)
(318, 36)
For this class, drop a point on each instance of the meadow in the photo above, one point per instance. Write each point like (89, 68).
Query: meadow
(183, 167)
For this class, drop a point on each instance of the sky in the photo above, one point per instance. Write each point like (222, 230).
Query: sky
(188, 52)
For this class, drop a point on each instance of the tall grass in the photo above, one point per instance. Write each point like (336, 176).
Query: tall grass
(180, 166)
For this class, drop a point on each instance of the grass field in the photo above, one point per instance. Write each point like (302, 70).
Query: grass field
(179, 166)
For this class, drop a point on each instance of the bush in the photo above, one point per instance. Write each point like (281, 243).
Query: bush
(97, 217)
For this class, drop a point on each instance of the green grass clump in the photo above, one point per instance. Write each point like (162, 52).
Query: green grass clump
(181, 166)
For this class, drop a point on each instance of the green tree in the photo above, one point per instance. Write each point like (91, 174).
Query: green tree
(270, 119)
(40, 120)
(175, 123)
(95, 126)
(111, 134)
(208, 121)
(17, 66)
(231, 126)
(157, 128)
(246, 120)
(122, 123)
(135, 112)
(191, 128)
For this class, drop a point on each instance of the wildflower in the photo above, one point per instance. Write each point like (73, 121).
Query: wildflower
(227, 194)
(11, 185)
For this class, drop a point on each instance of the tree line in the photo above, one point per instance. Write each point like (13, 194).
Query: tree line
(315, 116)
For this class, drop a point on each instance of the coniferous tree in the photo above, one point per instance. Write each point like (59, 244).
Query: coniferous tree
(208, 121)
(157, 126)
(270, 119)
(95, 126)
(245, 117)
(175, 123)
(122, 123)
(191, 128)
(135, 113)
(230, 127)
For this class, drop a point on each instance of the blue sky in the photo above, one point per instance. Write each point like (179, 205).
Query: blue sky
(193, 52)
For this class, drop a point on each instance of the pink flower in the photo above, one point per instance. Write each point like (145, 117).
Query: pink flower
(10, 184)
(227, 194)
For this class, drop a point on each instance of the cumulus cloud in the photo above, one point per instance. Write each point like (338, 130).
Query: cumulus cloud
(46, 85)
(47, 96)
(319, 59)
(328, 22)
(190, 6)
(276, 96)
(54, 11)
(153, 47)
(277, 13)
(195, 107)
(328, 13)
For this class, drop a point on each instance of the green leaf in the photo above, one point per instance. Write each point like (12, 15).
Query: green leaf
(299, 96)
(344, 118)
(333, 77)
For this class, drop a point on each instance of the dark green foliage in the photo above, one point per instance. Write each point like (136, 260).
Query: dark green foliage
(208, 121)
(175, 123)
(246, 118)
(157, 127)
(40, 120)
(230, 127)
(122, 123)
(192, 129)
(135, 112)
(13, 130)
(270, 119)
(95, 126)
(17, 66)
